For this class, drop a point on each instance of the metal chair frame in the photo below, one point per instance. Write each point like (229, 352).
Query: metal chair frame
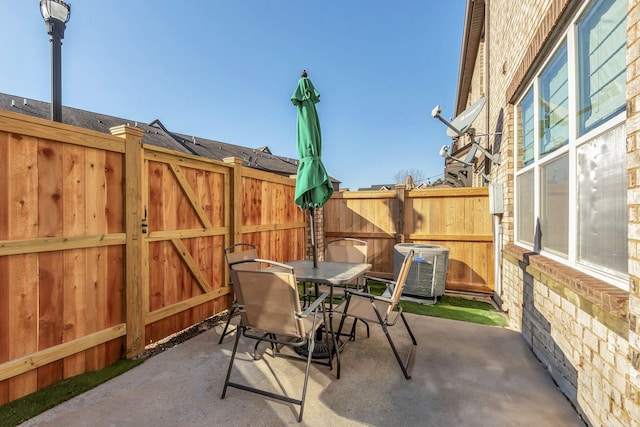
(232, 256)
(282, 324)
(358, 300)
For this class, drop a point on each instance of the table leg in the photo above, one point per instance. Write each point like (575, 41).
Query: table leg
(319, 331)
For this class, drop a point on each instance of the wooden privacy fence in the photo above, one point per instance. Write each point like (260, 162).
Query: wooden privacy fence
(107, 245)
(456, 218)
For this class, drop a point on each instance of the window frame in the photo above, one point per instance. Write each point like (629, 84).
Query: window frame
(570, 149)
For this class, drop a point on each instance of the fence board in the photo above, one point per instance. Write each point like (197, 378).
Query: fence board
(5, 326)
(22, 223)
(115, 309)
(74, 224)
(5, 182)
(74, 307)
(50, 274)
(23, 318)
(21, 125)
(114, 181)
(50, 312)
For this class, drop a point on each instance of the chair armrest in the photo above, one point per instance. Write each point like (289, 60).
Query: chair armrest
(379, 279)
(390, 284)
(368, 296)
(314, 306)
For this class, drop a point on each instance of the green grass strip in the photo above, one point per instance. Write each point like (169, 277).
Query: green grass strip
(453, 308)
(18, 411)
(448, 307)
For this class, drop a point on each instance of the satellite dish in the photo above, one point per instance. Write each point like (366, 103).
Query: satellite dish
(464, 119)
(468, 160)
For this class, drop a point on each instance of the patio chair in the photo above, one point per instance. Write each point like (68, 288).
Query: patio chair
(270, 311)
(384, 311)
(345, 249)
(248, 252)
(348, 249)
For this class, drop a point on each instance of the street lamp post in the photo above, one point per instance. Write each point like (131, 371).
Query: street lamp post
(56, 14)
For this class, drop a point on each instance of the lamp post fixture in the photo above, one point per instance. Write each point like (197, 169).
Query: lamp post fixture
(56, 14)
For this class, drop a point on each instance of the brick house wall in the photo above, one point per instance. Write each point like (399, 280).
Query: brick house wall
(633, 174)
(583, 330)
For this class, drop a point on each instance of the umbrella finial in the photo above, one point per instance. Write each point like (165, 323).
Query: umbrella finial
(304, 73)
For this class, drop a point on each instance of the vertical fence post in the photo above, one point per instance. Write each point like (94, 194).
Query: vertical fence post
(234, 217)
(235, 206)
(133, 159)
(400, 212)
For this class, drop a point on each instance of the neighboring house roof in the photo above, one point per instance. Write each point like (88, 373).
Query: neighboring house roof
(379, 187)
(155, 133)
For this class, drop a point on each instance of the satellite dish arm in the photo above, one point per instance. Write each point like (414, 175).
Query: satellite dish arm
(493, 157)
(435, 113)
(444, 152)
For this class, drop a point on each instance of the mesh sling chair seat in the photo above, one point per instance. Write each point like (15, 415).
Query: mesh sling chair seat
(380, 310)
(232, 254)
(270, 310)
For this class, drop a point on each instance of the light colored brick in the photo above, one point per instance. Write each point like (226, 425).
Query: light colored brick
(541, 291)
(607, 354)
(568, 307)
(591, 340)
(555, 298)
(584, 319)
(619, 383)
(599, 330)
(634, 381)
(577, 329)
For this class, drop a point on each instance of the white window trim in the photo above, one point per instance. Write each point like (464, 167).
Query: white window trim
(571, 148)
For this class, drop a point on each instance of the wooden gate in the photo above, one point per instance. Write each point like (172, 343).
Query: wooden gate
(187, 222)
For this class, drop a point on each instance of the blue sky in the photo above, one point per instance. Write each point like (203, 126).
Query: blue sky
(226, 70)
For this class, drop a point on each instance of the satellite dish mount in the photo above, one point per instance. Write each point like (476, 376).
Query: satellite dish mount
(460, 126)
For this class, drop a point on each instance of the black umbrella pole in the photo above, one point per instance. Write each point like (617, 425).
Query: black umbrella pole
(313, 238)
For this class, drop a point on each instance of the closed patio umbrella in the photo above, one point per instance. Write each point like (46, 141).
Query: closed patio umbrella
(313, 186)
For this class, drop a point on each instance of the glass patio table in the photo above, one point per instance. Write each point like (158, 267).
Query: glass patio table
(327, 273)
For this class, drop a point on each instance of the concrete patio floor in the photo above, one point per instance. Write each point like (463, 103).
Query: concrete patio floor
(463, 374)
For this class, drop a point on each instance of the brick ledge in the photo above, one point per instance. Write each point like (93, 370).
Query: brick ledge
(613, 300)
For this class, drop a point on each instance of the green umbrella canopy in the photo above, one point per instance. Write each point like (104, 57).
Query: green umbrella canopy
(313, 186)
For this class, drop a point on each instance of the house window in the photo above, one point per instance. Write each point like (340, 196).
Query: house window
(601, 61)
(602, 189)
(554, 103)
(554, 205)
(527, 136)
(526, 218)
(571, 188)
